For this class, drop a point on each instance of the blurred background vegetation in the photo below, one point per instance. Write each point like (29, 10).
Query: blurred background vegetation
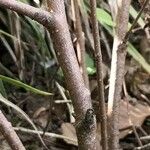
(28, 60)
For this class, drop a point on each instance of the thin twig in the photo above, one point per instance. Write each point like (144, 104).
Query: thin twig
(145, 137)
(86, 25)
(62, 101)
(126, 38)
(143, 147)
(19, 110)
(142, 130)
(128, 112)
(120, 12)
(137, 136)
(48, 134)
(69, 105)
(98, 56)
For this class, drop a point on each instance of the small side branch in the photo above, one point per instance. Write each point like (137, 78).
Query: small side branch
(37, 14)
(10, 135)
(135, 21)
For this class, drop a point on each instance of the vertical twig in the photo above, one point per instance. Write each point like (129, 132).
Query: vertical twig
(137, 136)
(10, 135)
(86, 25)
(81, 42)
(120, 12)
(98, 56)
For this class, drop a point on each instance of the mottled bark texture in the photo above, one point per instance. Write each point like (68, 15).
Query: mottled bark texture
(99, 70)
(10, 135)
(81, 43)
(75, 83)
(120, 13)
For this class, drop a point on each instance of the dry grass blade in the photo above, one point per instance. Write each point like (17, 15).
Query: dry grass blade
(48, 134)
(15, 29)
(15, 107)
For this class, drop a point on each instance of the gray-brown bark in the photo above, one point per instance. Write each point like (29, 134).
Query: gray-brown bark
(120, 12)
(98, 56)
(10, 135)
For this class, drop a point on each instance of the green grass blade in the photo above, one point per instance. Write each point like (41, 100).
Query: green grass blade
(104, 17)
(134, 14)
(138, 57)
(2, 89)
(23, 85)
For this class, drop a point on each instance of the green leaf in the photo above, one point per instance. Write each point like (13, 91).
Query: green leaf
(104, 17)
(89, 64)
(131, 49)
(23, 85)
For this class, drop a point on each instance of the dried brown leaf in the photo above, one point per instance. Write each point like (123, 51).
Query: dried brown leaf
(132, 115)
(69, 131)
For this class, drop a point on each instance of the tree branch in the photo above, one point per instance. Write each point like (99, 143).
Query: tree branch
(10, 135)
(67, 59)
(120, 16)
(56, 23)
(98, 57)
(39, 15)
